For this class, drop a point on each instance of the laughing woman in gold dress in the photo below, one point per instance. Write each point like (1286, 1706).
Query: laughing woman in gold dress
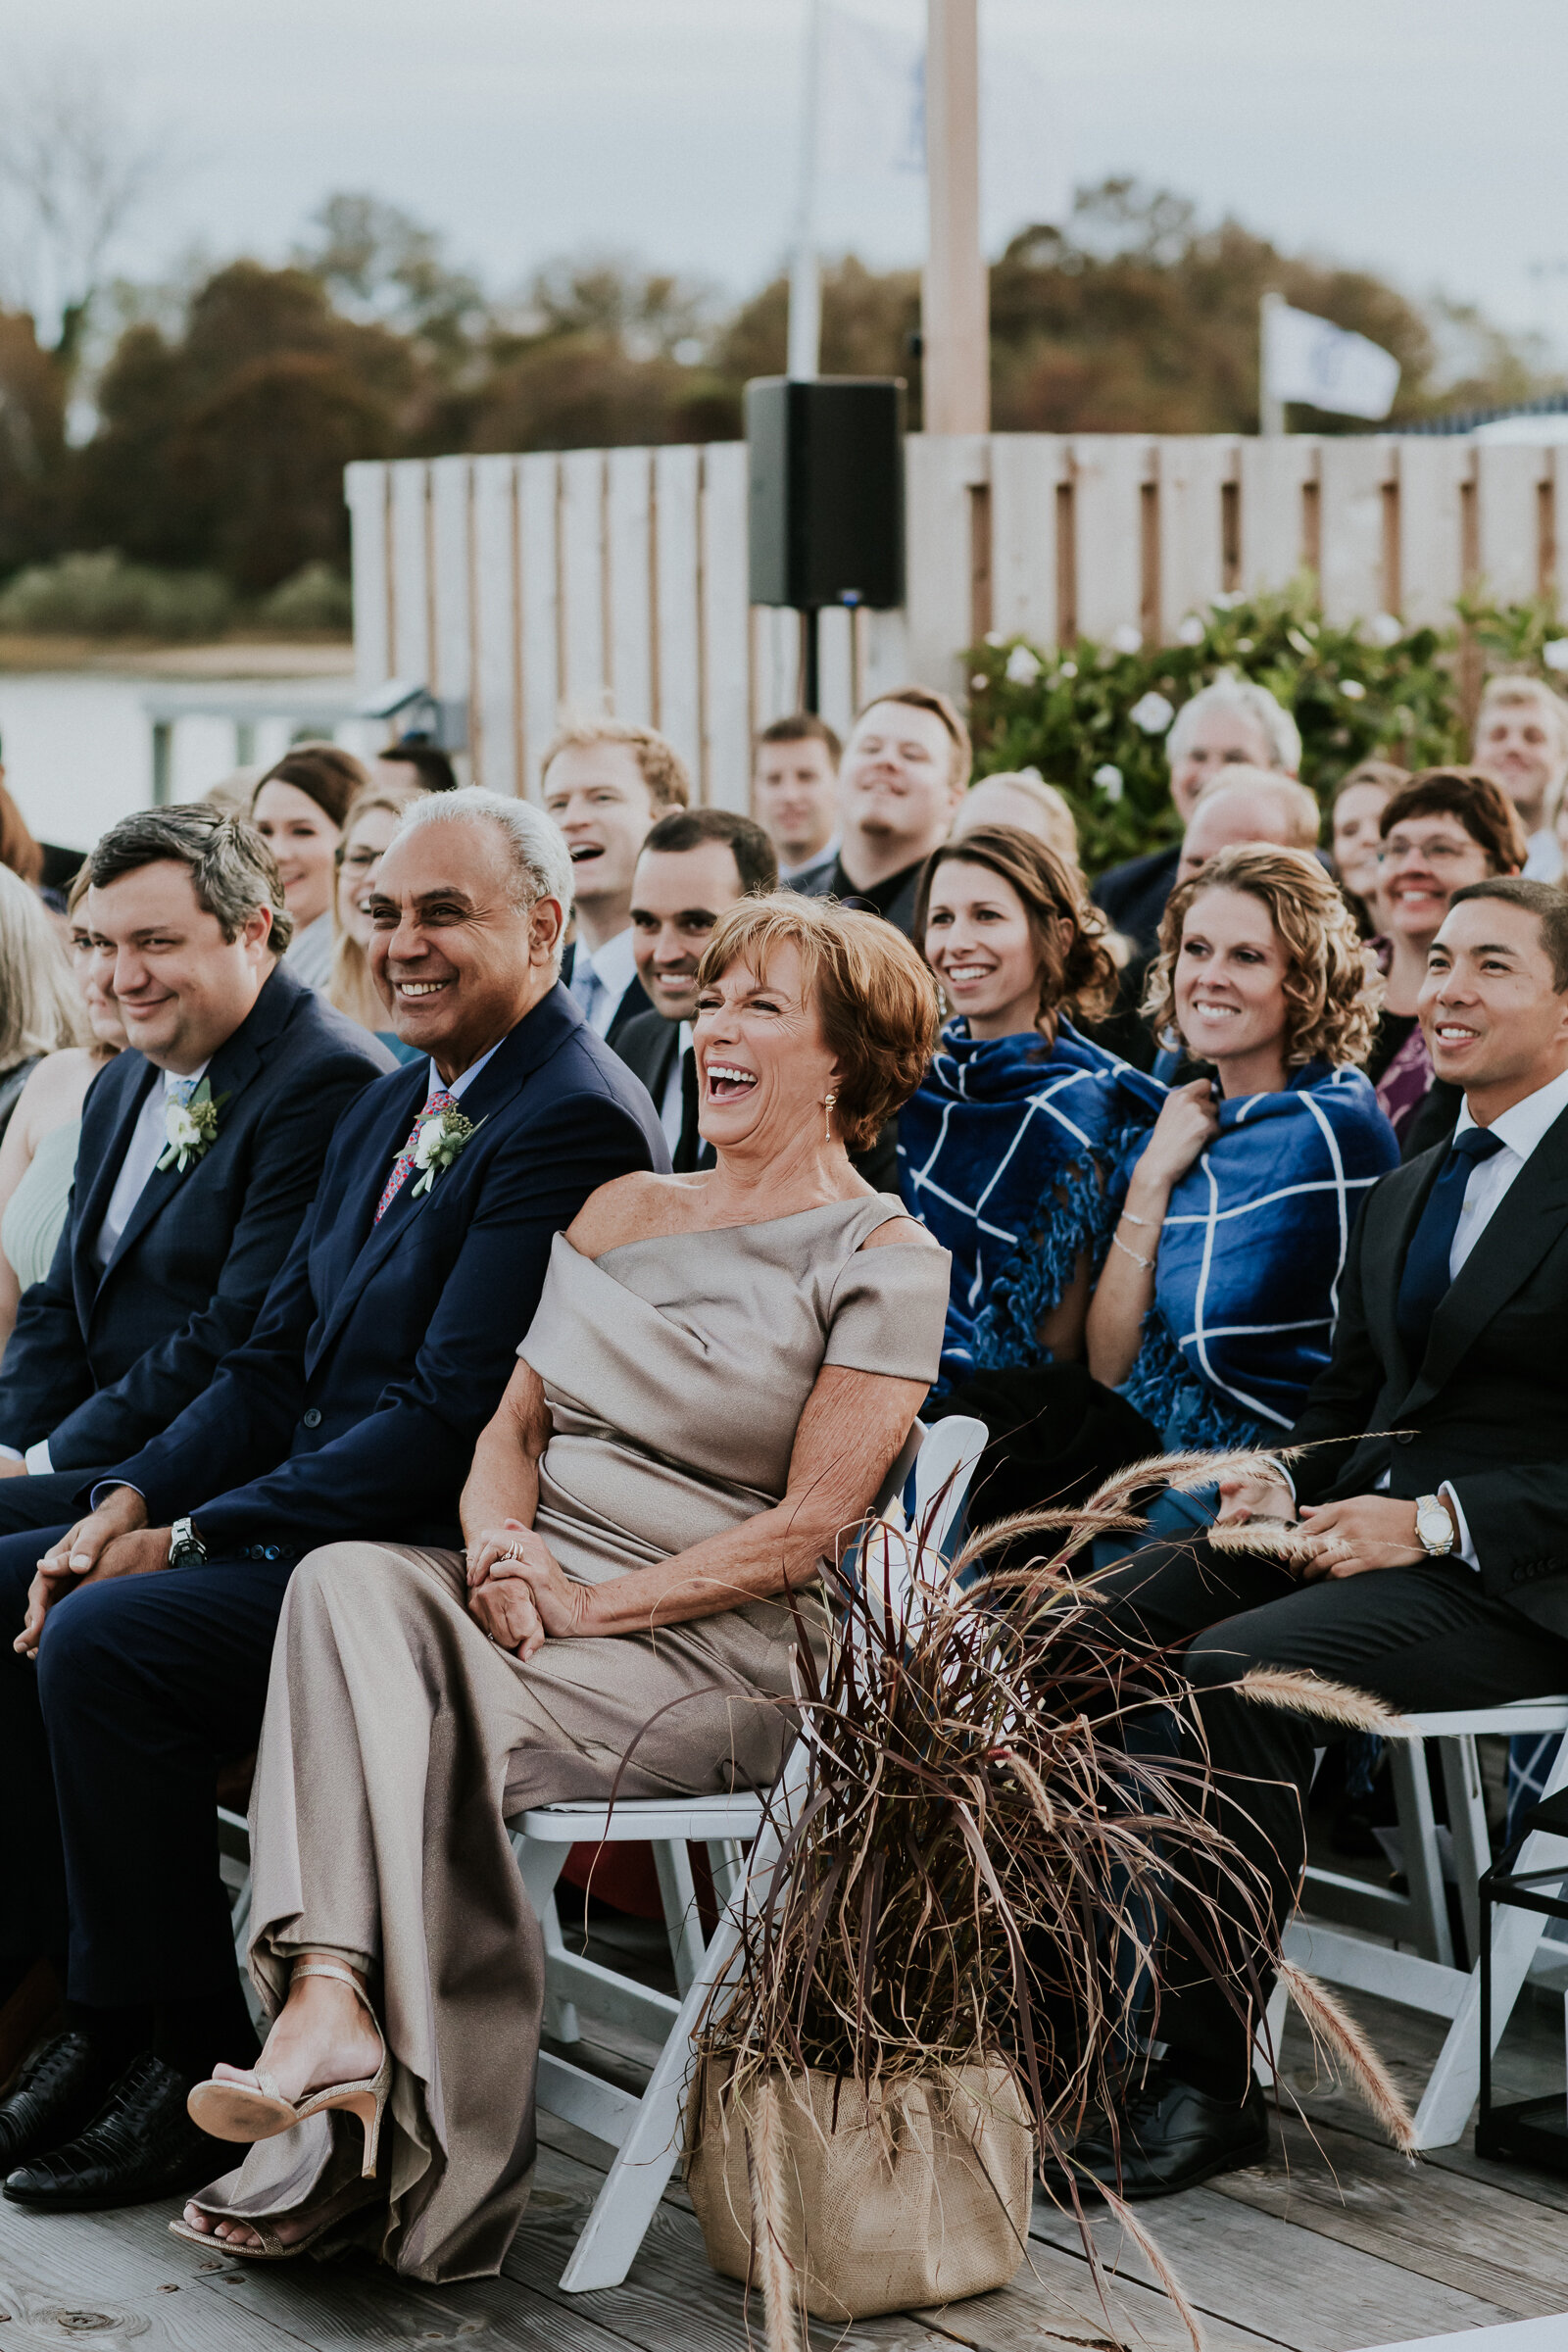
(721, 1371)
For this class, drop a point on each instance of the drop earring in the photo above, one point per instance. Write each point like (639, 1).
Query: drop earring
(827, 1124)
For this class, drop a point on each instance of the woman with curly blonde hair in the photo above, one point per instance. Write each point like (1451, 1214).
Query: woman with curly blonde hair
(1009, 1149)
(1215, 1310)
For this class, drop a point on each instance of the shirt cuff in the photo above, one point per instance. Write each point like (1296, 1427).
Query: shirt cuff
(37, 1459)
(1463, 1550)
(1280, 1472)
(11, 1454)
(109, 1486)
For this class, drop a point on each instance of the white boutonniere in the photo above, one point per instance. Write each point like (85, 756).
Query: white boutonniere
(442, 1138)
(191, 1128)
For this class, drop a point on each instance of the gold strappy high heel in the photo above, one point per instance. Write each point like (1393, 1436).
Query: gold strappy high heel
(236, 2111)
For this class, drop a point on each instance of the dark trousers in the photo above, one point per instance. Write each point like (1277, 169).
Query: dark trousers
(109, 1751)
(1420, 1639)
(59, 1498)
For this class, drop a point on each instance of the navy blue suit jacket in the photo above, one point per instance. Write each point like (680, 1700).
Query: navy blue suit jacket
(382, 1349)
(103, 1358)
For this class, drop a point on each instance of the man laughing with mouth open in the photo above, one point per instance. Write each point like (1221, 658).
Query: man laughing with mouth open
(605, 783)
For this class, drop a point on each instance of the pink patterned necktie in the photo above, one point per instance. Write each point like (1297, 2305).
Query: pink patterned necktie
(403, 1165)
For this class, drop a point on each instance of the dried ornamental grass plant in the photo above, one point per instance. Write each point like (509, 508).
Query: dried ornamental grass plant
(975, 1871)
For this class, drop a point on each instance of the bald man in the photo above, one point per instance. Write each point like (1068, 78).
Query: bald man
(1246, 804)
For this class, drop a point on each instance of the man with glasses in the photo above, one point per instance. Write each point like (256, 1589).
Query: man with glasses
(1448, 827)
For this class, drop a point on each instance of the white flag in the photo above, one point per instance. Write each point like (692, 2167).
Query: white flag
(871, 123)
(1311, 359)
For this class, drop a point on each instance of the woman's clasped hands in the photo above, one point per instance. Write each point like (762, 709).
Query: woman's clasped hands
(519, 1593)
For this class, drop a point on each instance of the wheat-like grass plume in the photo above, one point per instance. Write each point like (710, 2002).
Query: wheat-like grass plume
(1159, 2264)
(1315, 1694)
(767, 2222)
(1333, 2027)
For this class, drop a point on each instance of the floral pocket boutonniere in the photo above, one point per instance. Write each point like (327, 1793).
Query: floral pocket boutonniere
(191, 1128)
(441, 1139)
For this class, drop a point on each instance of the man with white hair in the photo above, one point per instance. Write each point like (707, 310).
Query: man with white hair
(1522, 741)
(1234, 723)
(142, 1640)
(1246, 804)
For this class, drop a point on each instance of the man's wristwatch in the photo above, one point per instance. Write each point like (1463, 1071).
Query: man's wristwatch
(1433, 1526)
(185, 1547)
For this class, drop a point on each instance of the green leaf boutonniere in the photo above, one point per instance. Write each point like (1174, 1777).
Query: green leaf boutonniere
(441, 1139)
(190, 1127)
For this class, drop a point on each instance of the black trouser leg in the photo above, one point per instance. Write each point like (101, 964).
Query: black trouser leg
(32, 1878)
(146, 1685)
(1420, 1639)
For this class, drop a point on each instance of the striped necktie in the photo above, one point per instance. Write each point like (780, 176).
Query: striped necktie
(403, 1165)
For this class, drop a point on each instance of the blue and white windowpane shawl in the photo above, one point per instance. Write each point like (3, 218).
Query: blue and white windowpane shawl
(1010, 1154)
(1250, 1255)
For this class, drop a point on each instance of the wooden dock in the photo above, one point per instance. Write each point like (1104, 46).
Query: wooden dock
(1335, 2244)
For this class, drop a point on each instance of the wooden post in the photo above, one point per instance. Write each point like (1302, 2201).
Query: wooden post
(955, 326)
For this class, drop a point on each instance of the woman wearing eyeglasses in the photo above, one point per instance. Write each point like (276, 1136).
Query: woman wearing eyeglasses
(1445, 827)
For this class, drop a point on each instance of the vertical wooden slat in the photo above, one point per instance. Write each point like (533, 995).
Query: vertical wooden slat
(1025, 469)
(726, 733)
(775, 663)
(364, 489)
(410, 533)
(582, 522)
(452, 624)
(1109, 472)
(888, 658)
(677, 566)
(629, 525)
(1274, 471)
(836, 674)
(536, 491)
(1508, 519)
(1353, 472)
(939, 474)
(1432, 472)
(495, 733)
(1195, 471)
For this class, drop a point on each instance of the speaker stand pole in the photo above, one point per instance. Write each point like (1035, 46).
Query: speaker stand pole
(810, 682)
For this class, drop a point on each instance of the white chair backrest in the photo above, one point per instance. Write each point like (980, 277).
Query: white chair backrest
(902, 1559)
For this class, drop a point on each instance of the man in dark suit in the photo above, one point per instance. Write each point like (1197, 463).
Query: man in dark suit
(1231, 722)
(604, 782)
(167, 1253)
(1435, 1494)
(381, 1350)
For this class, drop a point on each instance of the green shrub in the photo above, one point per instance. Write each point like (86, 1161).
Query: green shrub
(316, 598)
(1093, 721)
(103, 595)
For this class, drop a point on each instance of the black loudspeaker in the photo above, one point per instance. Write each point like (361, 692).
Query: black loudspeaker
(826, 466)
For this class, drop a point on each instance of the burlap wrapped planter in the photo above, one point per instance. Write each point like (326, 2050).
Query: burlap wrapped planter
(920, 2198)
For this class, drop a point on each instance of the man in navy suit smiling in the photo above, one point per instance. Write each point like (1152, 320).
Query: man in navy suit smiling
(380, 1353)
(166, 1253)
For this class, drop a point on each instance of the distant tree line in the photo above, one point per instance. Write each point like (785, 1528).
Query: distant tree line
(208, 429)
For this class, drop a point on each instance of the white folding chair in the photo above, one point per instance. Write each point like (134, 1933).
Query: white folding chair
(1427, 1976)
(646, 2132)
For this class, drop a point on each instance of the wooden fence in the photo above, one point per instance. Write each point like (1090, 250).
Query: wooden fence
(615, 580)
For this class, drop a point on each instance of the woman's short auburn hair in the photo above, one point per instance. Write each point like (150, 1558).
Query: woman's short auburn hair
(1332, 999)
(874, 997)
(1076, 970)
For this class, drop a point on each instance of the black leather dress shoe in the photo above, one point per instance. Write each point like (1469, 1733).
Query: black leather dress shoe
(1171, 2137)
(141, 2144)
(59, 2087)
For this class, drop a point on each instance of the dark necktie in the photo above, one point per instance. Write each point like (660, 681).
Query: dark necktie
(691, 1142)
(1425, 1279)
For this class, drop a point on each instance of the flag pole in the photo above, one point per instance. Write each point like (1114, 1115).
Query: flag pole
(954, 305)
(1270, 410)
(806, 271)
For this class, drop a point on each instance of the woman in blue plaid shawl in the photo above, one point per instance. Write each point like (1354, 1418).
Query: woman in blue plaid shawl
(1215, 1311)
(1009, 1151)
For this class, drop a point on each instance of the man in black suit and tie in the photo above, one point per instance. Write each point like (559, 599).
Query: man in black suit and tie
(605, 783)
(380, 1354)
(1435, 1492)
(167, 1253)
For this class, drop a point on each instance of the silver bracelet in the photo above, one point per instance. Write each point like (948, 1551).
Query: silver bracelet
(1147, 1263)
(1127, 1218)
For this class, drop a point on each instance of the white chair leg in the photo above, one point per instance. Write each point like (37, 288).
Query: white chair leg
(540, 1865)
(1454, 2083)
(1266, 2044)
(726, 1859)
(1407, 1761)
(1467, 1826)
(678, 1893)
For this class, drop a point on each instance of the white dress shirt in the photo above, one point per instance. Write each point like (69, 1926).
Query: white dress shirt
(789, 878)
(672, 1109)
(1544, 862)
(308, 953)
(600, 980)
(460, 1086)
(145, 1147)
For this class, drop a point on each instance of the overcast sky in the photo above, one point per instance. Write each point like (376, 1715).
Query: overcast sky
(1422, 137)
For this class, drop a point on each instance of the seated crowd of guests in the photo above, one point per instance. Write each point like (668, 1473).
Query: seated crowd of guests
(503, 1251)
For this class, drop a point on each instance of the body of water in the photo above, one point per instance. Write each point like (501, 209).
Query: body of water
(78, 745)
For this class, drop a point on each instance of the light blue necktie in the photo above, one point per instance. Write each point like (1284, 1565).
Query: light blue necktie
(586, 987)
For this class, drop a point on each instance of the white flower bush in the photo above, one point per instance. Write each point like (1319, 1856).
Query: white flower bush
(1108, 780)
(1554, 654)
(1151, 713)
(1022, 667)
